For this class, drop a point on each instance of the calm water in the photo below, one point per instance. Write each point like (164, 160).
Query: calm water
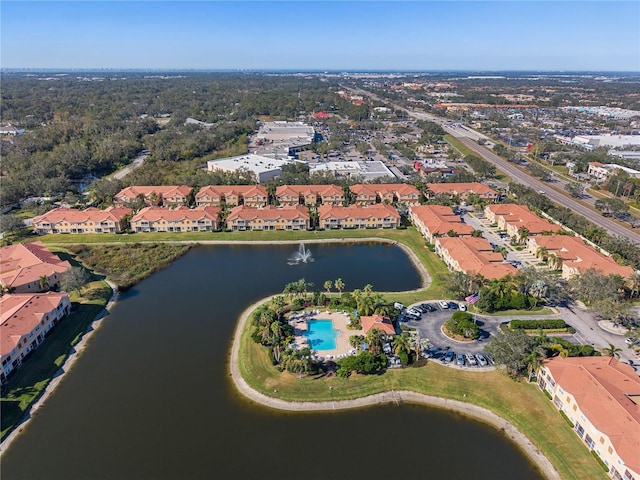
(150, 398)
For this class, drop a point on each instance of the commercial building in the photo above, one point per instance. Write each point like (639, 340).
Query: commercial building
(156, 195)
(601, 171)
(366, 171)
(437, 220)
(354, 216)
(25, 319)
(233, 195)
(574, 256)
(181, 219)
(91, 220)
(263, 168)
(601, 398)
(268, 218)
(472, 256)
(30, 267)
(283, 139)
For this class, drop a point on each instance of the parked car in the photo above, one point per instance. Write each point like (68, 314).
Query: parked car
(448, 357)
(471, 360)
(414, 311)
(412, 316)
(453, 305)
(481, 360)
(460, 359)
(398, 306)
(428, 307)
(443, 305)
(462, 307)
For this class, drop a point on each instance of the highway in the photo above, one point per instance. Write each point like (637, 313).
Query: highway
(469, 138)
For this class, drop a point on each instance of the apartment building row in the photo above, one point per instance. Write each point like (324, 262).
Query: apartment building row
(29, 268)
(601, 397)
(258, 196)
(463, 191)
(90, 220)
(434, 221)
(25, 320)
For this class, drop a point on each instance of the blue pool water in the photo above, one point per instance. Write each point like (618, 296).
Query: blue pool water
(321, 334)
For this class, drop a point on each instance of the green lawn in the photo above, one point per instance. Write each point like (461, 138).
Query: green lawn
(28, 382)
(521, 403)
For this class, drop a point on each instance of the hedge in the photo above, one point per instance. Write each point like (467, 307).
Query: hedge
(545, 324)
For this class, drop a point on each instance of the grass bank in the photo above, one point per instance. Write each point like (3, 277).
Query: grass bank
(28, 382)
(521, 403)
(127, 264)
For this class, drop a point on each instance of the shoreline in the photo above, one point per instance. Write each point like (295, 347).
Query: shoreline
(75, 351)
(394, 396)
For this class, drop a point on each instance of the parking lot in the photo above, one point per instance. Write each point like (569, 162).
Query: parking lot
(429, 327)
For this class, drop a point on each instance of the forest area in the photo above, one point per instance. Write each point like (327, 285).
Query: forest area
(81, 129)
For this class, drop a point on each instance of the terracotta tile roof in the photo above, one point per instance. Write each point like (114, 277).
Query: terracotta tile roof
(239, 190)
(21, 312)
(353, 211)
(602, 386)
(177, 214)
(440, 219)
(309, 190)
(26, 262)
(363, 189)
(71, 215)
(377, 321)
(461, 188)
(520, 215)
(576, 254)
(475, 255)
(160, 190)
(268, 213)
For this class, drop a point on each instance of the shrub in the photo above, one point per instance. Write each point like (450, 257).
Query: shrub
(546, 324)
(461, 323)
(602, 464)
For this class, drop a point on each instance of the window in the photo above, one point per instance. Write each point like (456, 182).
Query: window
(589, 441)
(575, 407)
(602, 440)
(579, 429)
(610, 450)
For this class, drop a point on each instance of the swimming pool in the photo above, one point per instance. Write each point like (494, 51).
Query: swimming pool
(321, 334)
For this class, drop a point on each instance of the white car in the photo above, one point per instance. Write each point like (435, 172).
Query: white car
(443, 304)
(462, 307)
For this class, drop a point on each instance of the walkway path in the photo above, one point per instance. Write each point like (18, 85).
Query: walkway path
(394, 396)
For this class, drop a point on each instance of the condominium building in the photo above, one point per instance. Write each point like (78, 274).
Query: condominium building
(233, 195)
(181, 219)
(165, 195)
(25, 319)
(601, 398)
(517, 220)
(91, 220)
(30, 267)
(369, 194)
(353, 216)
(462, 190)
(269, 218)
(472, 256)
(310, 195)
(437, 220)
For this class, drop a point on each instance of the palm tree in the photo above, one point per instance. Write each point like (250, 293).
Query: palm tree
(612, 351)
(44, 283)
(533, 361)
(367, 289)
(328, 285)
(634, 283)
(543, 253)
(374, 339)
(554, 261)
(523, 234)
(356, 340)
(339, 284)
(401, 344)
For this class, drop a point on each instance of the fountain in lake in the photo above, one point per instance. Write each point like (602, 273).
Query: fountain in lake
(301, 256)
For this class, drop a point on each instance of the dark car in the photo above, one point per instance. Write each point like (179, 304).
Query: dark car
(460, 359)
(448, 357)
(453, 305)
(428, 307)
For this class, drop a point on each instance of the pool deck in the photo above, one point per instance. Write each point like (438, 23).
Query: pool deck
(340, 321)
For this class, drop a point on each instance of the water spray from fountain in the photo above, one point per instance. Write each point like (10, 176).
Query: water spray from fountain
(301, 256)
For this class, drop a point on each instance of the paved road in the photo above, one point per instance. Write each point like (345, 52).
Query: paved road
(468, 137)
(137, 162)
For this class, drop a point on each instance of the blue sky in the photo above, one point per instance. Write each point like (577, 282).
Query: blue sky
(444, 35)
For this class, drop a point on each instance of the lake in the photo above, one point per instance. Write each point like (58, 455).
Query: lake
(151, 397)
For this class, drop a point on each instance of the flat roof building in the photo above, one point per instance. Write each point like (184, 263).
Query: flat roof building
(365, 170)
(263, 168)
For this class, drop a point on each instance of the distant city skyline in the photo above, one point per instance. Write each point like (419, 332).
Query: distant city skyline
(324, 35)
